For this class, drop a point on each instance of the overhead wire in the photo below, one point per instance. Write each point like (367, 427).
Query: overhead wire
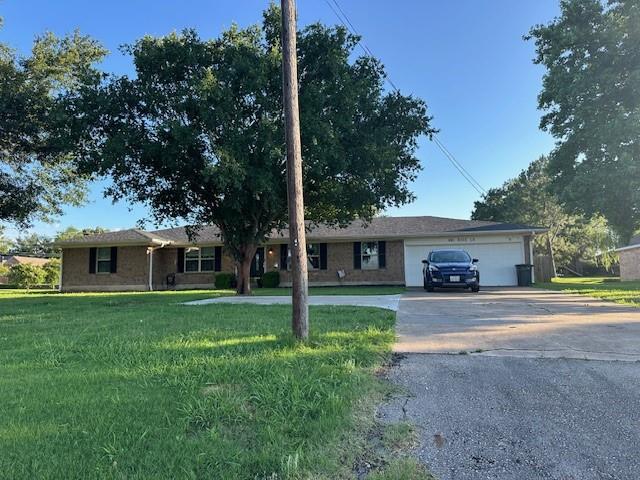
(348, 24)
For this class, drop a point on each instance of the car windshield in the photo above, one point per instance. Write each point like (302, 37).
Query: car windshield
(450, 256)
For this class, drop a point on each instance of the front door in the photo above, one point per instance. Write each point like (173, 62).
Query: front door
(257, 266)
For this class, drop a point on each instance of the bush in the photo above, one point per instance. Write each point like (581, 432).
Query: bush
(225, 281)
(271, 280)
(26, 276)
(52, 272)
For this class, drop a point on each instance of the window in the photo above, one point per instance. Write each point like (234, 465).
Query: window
(199, 259)
(449, 256)
(313, 257)
(369, 256)
(103, 260)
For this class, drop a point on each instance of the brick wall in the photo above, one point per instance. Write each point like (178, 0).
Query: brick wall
(132, 270)
(630, 264)
(340, 257)
(165, 262)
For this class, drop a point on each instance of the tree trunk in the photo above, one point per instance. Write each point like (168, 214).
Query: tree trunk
(244, 270)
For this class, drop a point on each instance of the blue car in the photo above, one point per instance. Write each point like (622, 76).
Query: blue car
(450, 269)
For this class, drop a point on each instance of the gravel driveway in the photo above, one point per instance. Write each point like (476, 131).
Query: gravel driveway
(528, 406)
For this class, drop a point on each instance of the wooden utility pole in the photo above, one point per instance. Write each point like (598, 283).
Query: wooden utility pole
(297, 234)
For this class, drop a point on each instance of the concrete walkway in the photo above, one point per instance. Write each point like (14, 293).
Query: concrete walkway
(518, 322)
(389, 302)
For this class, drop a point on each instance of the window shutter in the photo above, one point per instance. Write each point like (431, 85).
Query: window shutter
(114, 259)
(323, 256)
(284, 250)
(93, 252)
(217, 259)
(382, 254)
(357, 259)
(180, 262)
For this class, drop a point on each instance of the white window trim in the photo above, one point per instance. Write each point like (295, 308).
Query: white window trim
(199, 249)
(377, 255)
(104, 260)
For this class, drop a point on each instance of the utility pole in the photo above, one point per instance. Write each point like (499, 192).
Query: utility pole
(297, 234)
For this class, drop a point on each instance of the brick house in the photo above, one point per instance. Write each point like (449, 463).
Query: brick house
(630, 260)
(387, 251)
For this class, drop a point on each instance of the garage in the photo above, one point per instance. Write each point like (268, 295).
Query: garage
(497, 255)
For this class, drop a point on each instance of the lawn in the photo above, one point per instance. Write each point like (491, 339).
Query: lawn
(605, 288)
(139, 386)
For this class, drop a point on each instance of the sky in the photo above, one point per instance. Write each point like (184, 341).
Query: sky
(466, 58)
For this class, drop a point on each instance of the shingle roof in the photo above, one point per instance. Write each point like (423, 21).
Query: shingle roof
(380, 227)
(132, 236)
(21, 259)
(635, 240)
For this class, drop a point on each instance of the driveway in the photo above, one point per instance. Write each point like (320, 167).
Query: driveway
(528, 405)
(389, 302)
(518, 322)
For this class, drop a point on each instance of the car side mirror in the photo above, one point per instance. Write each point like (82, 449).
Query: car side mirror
(475, 260)
(426, 262)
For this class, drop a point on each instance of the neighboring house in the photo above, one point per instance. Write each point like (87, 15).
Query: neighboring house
(11, 260)
(388, 251)
(630, 260)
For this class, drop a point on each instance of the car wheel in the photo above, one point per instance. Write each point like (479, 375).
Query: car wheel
(475, 289)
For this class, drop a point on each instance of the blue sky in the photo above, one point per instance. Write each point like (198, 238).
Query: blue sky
(465, 58)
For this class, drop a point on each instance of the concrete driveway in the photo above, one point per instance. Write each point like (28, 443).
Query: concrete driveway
(518, 322)
(528, 406)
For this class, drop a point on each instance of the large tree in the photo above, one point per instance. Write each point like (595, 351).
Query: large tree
(37, 173)
(198, 134)
(591, 96)
(529, 199)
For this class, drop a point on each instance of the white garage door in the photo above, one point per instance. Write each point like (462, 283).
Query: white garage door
(496, 260)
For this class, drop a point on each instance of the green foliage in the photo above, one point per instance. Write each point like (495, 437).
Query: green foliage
(34, 244)
(225, 281)
(197, 134)
(4, 270)
(52, 272)
(528, 199)
(5, 244)
(590, 96)
(37, 173)
(271, 279)
(27, 276)
(154, 389)
(71, 233)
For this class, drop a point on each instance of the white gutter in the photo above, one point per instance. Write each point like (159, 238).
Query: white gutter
(628, 247)
(150, 251)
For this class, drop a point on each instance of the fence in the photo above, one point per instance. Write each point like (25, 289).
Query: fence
(543, 268)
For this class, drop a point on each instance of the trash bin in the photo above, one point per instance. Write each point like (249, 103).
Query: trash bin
(524, 275)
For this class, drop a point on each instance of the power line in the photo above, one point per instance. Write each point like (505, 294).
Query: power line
(346, 22)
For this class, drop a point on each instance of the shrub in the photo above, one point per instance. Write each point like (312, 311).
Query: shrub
(225, 281)
(26, 276)
(52, 272)
(271, 279)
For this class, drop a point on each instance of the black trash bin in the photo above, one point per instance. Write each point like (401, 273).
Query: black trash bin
(524, 275)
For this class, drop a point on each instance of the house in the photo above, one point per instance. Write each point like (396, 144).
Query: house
(387, 251)
(11, 260)
(630, 260)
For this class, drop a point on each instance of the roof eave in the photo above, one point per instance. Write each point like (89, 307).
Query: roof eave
(116, 243)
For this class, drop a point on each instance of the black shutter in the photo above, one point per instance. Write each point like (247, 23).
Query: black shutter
(217, 259)
(114, 260)
(357, 259)
(180, 262)
(93, 252)
(284, 252)
(382, 254)
(323, 256)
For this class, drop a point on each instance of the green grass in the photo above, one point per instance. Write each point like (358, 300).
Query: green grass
(139, 386)
(605, 288)
(346, 290)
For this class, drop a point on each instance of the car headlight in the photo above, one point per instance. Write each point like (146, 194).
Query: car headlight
(433, 268)
(473, 268)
